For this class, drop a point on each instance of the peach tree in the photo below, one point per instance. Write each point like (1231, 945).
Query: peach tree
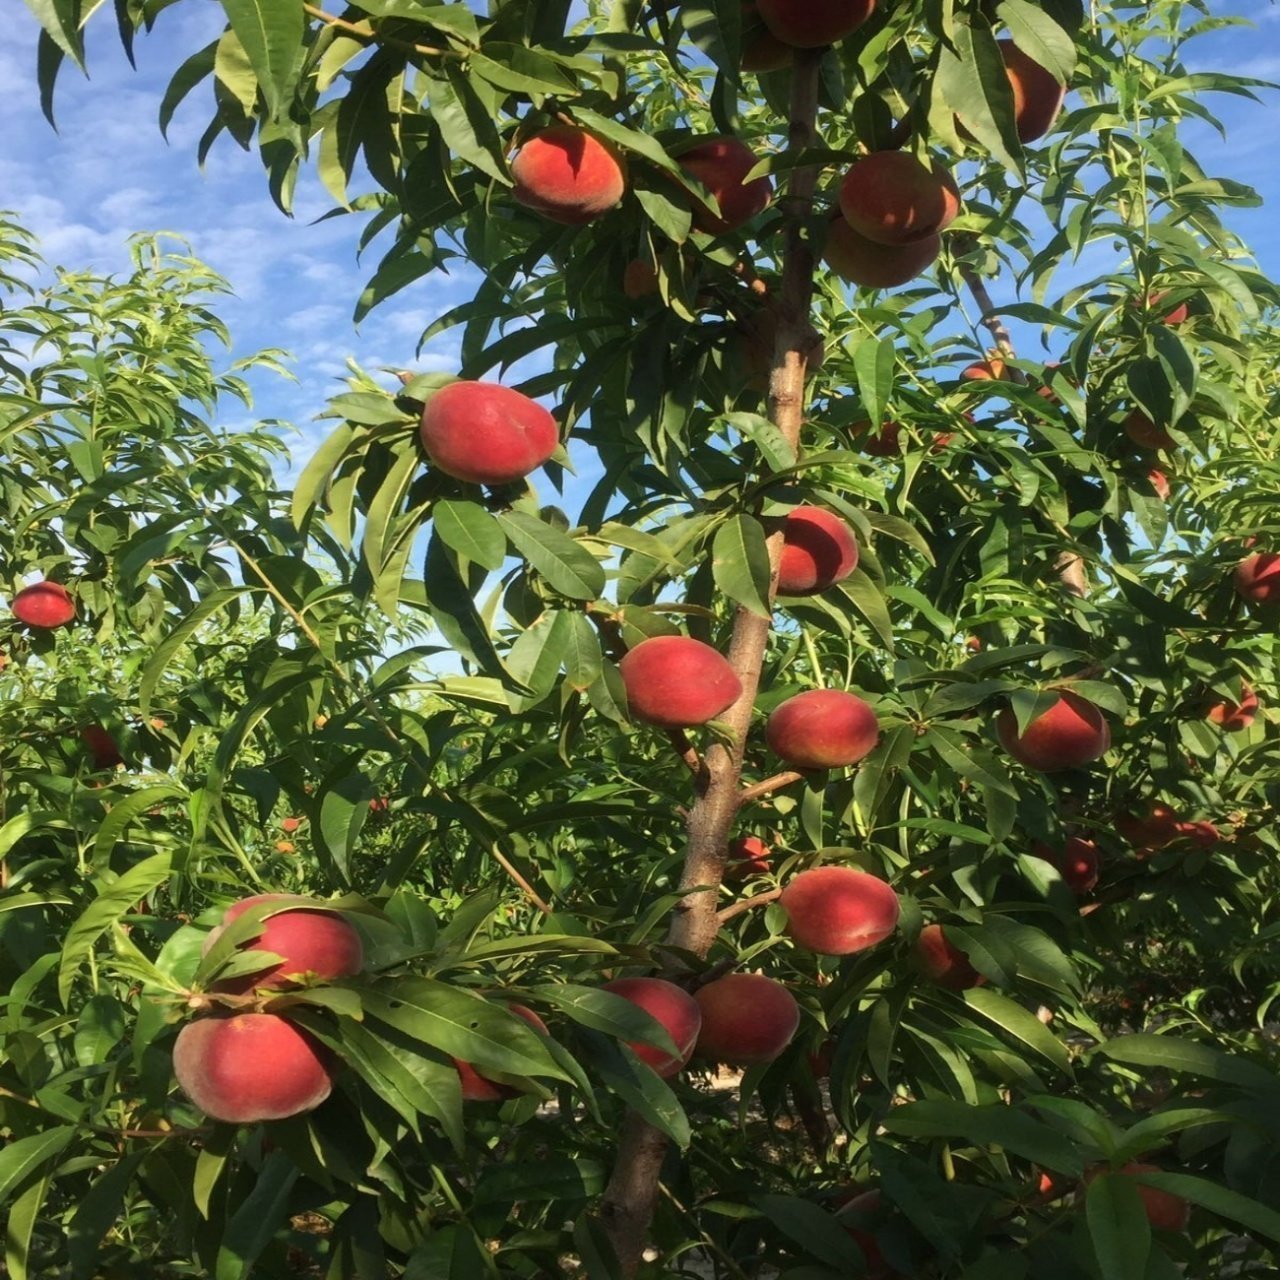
(765, 770)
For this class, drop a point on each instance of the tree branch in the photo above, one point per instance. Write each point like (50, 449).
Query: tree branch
(776, 783)
(759, 900)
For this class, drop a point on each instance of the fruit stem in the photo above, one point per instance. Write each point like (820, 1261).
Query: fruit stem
(628, 1202)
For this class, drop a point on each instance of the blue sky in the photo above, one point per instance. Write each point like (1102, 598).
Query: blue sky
(108, 173)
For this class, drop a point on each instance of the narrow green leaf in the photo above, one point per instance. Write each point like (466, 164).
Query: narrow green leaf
(740, 563)
(567, 566)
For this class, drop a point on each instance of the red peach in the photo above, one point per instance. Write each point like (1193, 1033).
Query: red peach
(485, 433)
(1145, 434)
(747, 1019)
(476, 1086)
(1037, 96)
(761, 49)
(721, 165)
(942, 962)
(822, 729)
(639, 279)
(290, 824)
(1235, 716)
(857, 1214)
(748, 856)
(250, 1067)
(674, 1008)
(307, 940)
(1156, 829)
(885, 443)
(891, 198)
(810, 24)
(991, 369)
(875, 266)
(102, 747)
(1176, 316)
(568, 174)
(1257, 578)
(1159, 482)
(1165, 1211)
(44, 605)
(1202, 834)
(676, 682)
(1071, 733)
(818, 550)
(1076, 862)
(837, 911)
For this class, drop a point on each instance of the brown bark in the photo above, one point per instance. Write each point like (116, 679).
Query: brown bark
(631, 1196)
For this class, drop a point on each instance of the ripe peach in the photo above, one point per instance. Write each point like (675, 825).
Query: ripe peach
(568, 174)
(1076, 862)
(858, 1214)
(485, 433)
(875, 266)
(942, 962)
(102, 747)
(810, 24)
(476, 1086)
(307, 939)
(250, 1067)
(1070, 734)
(1235, 716)
(992, 369)
(1204, 835)
(836, 911)
(674, 1008)
(1037, 96)
(822, 729)
(748, 856)
(1257, 578)
(746, 1019)
(885, 443)
(676, 682)
(761, 49)
(891, 198)
(1165, 1211)
(44, 605)
(721, 165)
(818, 550)
(1157, 828)
(290, 824)
(639, 279)
(1145, 434)
(285, 846)
(1176, 316)
(1159, 482)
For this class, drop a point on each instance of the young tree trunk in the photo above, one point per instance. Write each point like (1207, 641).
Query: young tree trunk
(631, 1196)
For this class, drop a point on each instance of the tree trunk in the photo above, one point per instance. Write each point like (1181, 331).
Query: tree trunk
(631, 1196)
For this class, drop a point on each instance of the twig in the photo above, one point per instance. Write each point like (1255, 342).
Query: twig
(687, 752)
(764, 787)
(990, 320)
(354, 29)
(759, 900)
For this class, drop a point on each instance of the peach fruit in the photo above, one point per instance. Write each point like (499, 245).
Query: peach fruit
(1235, 716)
(891, 198)
(858, 1213)
(747, 1019)
(250, 1067)
(942, 962)
(1175, 316)
(1165, 1211)
(876, 266)
(639, 279)
(476, 1086)
(307, 940)
(485, 433)
(1157, 828)
(1159, 482)
(676, 682)
(44, 605)
(1076, 862)
(568, 174)
(1257, 578)
(992, 369)
(721, 165)
(1204, 835)
(1145, 434)
(836, 911)
(1037, 96)
(885, 443)
(289, 825)
(818, 550)
(748, 856)
(674, 1008)
(761, 49)
(1071, 733)
(102, 747)
(822, 729)
(810, 24)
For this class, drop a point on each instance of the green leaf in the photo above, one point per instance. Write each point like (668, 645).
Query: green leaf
(1020, 1023)
(568, 567)
(1218, 1199)
(778, 452)
(1170, 1053)
(1118, 1226)
(21, 1158)
(164, 652)
(1003, 1128)
(271, 33)
(257, 1219)
(1039, 37)
(873, 365)
(814, 1229)
(740, 563)
(471, 531)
